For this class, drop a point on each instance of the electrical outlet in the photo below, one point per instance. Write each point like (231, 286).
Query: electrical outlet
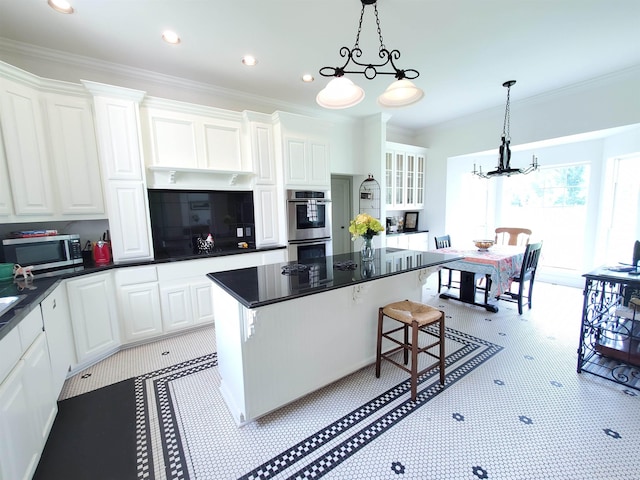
(239, 232)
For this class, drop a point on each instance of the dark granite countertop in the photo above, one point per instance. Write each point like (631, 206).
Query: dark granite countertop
(37, 289)
(395, 234)
(263, 285)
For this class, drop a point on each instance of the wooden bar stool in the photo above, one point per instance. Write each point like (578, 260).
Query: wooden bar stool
(417, 316)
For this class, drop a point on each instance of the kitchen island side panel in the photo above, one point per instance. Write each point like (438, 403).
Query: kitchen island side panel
(272, 355)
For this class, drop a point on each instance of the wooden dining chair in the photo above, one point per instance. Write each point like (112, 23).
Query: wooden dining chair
(512, 236)
(444, 241)
(527, 274)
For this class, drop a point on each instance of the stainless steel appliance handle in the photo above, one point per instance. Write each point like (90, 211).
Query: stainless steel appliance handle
(304, 202)
(310, 241)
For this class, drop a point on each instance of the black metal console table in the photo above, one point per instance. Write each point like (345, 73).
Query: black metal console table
(610, 331)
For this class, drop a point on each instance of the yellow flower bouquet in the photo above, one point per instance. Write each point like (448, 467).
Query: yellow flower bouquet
(364, 225)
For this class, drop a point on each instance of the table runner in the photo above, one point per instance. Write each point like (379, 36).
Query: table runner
(501, 262)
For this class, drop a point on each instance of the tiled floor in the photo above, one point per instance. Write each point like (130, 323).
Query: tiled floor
(513, 407)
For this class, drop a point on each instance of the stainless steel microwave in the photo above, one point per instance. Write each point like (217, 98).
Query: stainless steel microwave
(47, 253)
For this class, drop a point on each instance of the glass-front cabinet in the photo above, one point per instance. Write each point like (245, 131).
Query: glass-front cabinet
(405, 175)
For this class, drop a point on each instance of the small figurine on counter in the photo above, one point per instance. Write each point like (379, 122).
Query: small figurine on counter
(207, 245)
(25, 284)
(24, 271)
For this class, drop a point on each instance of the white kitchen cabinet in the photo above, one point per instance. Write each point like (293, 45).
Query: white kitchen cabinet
(128, 210)
(118, 128)
(57, 326)
(186, 293)
(19, 438)
(405, 167)
(394, 241)
(27, 401)
(177, 309)
(93, 317)
(118, 131)
(201, 301)
(267, 216)
(306, 162)
(52, 169)
(139, 301)
(222, 145)
(192, 136)
(418, 241)
(304, 146)
(6, 204)
(27, 159)
(75, 155)
(186, 302)
(261, 147)
(38, 382)
(409, 241)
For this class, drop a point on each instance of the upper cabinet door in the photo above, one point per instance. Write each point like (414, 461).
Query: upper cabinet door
(6, 205)
(295, 161)
(170, 138)
(306, 162)
(404, 176)
(75, 154)
(262, 152)
(222, 146)
(304, 143)
(319, 163)
(129, 221)
(185, 140)
(117, 124)
(24, 139)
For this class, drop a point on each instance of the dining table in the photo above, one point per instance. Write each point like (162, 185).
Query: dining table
(496, 265)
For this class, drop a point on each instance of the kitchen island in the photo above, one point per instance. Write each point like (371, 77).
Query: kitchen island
(284, 330)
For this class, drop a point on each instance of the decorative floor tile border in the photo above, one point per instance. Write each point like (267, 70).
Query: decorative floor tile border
(153, 395)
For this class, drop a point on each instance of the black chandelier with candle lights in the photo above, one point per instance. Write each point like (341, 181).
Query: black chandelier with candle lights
(504, 157)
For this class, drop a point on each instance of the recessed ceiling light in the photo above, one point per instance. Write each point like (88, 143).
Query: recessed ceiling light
(307, 77)
(171, 37)
(249, 60)
(61, 6)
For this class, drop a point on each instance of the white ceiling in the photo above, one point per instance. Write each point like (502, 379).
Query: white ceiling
(463, 49)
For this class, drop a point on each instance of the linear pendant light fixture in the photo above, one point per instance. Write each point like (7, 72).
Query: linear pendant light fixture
(341, 92)
(504, 163)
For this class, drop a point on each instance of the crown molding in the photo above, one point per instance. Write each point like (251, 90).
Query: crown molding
(268, 105)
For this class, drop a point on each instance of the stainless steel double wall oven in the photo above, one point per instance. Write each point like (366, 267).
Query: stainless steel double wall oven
(309, 224)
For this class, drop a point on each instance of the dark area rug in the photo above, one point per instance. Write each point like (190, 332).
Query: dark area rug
(93, 437)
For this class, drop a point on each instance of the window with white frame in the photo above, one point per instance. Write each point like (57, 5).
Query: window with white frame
(622, 207)
(553, 204)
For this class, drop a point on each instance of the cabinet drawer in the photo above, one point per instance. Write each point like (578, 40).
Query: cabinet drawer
(11, 352)
(135, 276)
(29, 328)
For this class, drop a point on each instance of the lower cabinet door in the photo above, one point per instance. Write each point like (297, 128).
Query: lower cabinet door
(202, 301)
(93, 316)
(175, 300)
(57, 325)
(141, 316)
(39, 384)
(19, 442)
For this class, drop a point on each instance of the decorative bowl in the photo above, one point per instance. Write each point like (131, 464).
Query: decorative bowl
(484, 245)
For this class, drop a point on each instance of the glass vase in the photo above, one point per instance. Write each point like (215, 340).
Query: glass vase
(366, 251)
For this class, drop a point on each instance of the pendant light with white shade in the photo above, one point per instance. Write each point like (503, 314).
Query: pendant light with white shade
(341, 92)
